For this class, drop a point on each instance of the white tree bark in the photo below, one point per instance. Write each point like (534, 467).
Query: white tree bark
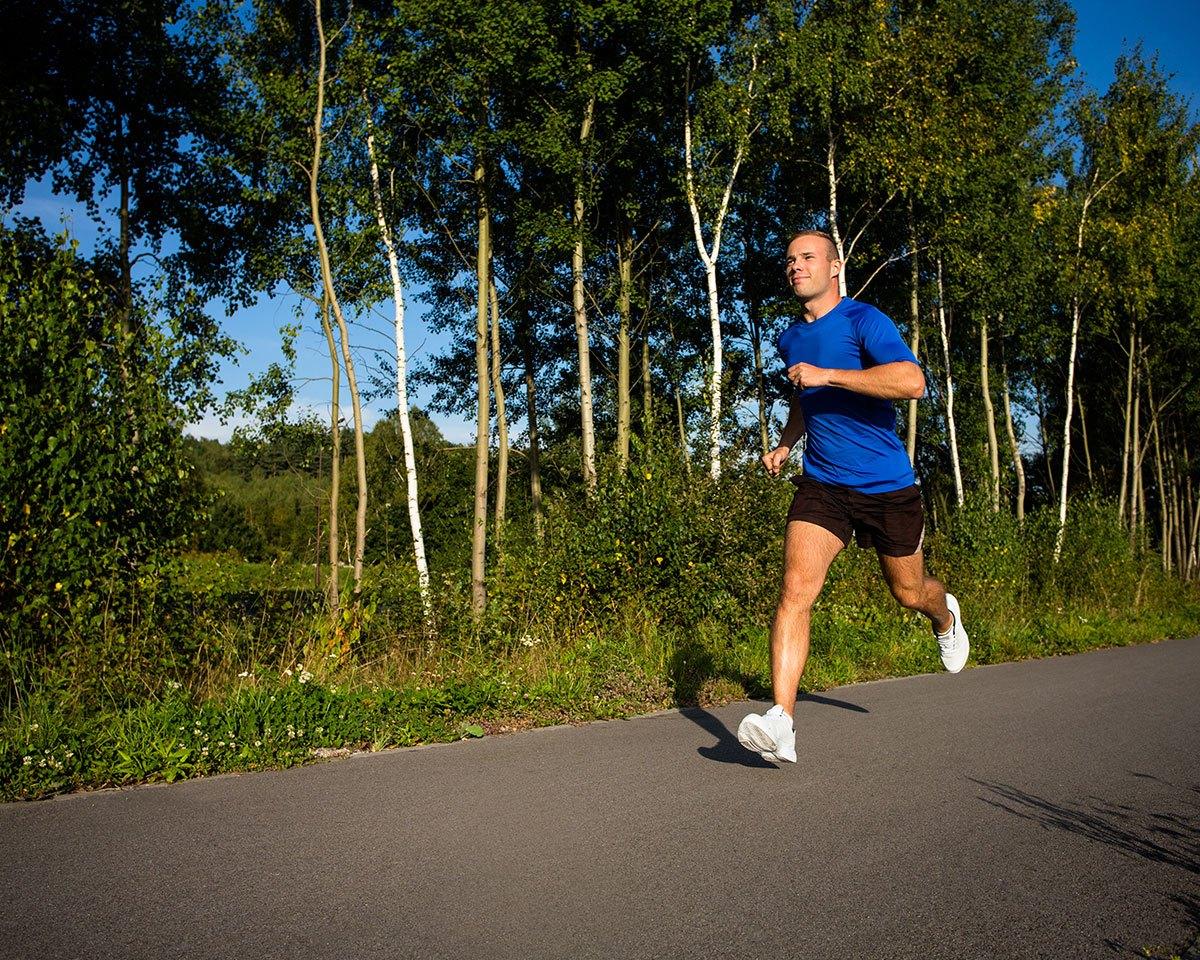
(1018, 464)
(410, 461)
(587, 423)
(915, 341)
(709, 258)
(950, 425)
(989, 413)
(834, 229)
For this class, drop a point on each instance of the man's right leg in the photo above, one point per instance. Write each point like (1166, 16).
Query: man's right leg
(809, 549)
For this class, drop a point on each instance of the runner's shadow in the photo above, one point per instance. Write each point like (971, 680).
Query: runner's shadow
(728, 750)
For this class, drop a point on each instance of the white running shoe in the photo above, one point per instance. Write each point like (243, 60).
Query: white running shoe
(771, 734)
(953, 643)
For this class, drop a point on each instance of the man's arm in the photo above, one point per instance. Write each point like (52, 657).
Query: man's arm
(901, 380)
(793, 430)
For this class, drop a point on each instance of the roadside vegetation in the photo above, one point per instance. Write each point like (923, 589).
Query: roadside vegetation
(589, 202)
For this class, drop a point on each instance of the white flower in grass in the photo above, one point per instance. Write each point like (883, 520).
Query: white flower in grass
(527, 640)
(26, 761)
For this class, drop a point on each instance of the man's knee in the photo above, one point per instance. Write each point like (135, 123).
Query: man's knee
(798, 594)
(908, 595)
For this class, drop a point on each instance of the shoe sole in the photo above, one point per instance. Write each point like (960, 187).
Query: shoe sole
(755, 738)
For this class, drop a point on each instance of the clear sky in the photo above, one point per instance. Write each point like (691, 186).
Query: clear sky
(1106, 29)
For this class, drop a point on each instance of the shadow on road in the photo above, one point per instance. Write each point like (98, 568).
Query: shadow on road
(1164, 837)
(728, 750)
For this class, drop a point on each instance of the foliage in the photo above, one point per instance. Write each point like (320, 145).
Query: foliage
(96, 488)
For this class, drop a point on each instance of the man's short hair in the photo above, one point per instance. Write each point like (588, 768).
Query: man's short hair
(833, 250)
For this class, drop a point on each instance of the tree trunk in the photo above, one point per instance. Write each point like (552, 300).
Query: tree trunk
(402, 414)
(647, 393)
(989, 413)
(625, 277)
(1087, 451)
(483, 418)
(1125, 446)
(1018, 464)
(327, 278)
(834, 230)
(535, 468)
(334, 589)
(709, 259)
(1064, 473)
(683, 437)
(910, 443)
(958, 483)
(501, 420)
(1164, 520)
(1135, 457)
(764, 435)
(587, 429)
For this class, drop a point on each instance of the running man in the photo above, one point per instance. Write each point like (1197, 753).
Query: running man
(848, 364)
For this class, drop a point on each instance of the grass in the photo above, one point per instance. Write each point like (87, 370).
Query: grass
(272, 685)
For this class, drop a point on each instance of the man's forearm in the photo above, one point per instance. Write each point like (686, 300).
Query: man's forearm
(793, 430)
(901, 380)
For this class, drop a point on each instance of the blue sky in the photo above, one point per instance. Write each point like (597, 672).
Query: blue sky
(1106, 29)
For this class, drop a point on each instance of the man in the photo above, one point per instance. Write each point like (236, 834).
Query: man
(848, 364)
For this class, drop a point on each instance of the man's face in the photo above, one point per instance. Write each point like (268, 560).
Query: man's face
(811, 270)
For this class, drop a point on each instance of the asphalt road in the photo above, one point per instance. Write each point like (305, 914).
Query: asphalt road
(1041, 809)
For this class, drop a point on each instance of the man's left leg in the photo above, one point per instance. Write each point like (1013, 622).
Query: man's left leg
(914, 589)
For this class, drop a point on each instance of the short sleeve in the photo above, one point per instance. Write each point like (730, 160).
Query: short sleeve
(880, 340)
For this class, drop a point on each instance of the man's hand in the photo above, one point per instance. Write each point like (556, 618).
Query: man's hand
(805, 375)
(775, 460)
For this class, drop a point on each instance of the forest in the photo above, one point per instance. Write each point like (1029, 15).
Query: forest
(591, 200)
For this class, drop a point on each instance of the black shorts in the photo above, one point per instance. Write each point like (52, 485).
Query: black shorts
(893, 523)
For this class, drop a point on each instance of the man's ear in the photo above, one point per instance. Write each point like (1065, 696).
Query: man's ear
(835, 268)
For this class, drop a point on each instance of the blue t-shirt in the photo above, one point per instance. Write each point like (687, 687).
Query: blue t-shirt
(852, 439)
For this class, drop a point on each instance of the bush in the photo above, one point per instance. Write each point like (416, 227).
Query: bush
(95, 487)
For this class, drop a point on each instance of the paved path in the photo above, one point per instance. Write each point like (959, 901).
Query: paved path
(1043, 809)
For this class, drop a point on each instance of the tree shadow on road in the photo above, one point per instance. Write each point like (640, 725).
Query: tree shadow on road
(728, 750)
(1161, 835)
(1170, 837)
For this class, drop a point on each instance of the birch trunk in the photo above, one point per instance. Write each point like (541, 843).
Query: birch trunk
(1018, 464)
(1135, 460)
(1164, 521)
(1069, 396)
(910, 443)
(989, 414)
(1064, 473)
(958, 483)
(360, 529)
(482, 280)
(625, 277)
(709, 259)
(834, 230)
(1125, 446)
(402, 414)
(587, 425)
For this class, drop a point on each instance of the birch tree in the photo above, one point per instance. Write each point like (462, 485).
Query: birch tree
(717, 135)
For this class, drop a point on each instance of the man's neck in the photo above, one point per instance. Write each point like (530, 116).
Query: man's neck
(816, 308)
